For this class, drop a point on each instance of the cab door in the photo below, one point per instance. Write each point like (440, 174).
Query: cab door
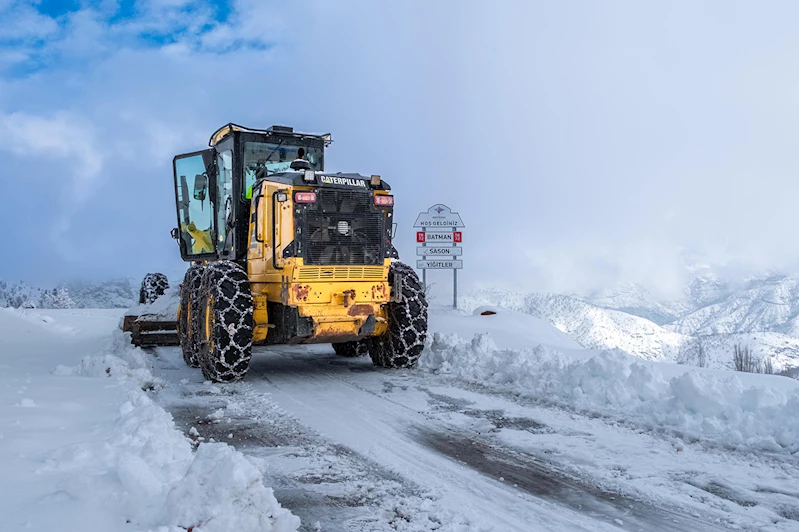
(197, 205)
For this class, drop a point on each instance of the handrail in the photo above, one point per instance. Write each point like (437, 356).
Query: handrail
(274, 230)
(257, 213)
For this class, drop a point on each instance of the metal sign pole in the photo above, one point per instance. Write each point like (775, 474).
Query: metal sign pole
(455, 289)
(424, 257)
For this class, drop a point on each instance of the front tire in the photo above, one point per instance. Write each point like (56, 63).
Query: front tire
(402, 345)
(153, 286)
(226, 322)
(188, 324)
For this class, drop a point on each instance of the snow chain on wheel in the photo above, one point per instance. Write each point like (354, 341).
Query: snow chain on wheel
(351, 349)
(402, 345)
(187, 314)
(152, 287)
(226, 322)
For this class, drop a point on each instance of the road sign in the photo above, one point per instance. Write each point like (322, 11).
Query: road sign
(439, 264)
(436, 251)
(440, 238)
(437, 237)
(439, 216)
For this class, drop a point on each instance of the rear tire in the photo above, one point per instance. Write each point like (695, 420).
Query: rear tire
(226, 322)
(402, 345)
(351, 349)
(153, 286)
(188, 324)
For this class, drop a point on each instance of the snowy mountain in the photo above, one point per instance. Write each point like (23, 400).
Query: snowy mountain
(705, 288)
(114, 293)
(636, 300)
(781, 349)
(770, 304)
(762, 315)
(19, 295)
(591, 326)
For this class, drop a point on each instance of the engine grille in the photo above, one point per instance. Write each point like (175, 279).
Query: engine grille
(319, 273)
(343, 228)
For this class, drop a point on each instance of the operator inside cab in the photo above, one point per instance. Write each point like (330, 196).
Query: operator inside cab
(203, 243)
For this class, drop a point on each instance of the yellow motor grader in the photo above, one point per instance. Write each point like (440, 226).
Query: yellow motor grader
(283, 252)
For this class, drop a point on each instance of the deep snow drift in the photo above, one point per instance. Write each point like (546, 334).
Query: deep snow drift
(97, 453)
(739, 410)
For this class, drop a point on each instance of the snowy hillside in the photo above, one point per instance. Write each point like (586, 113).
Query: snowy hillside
(705, 288)
(112, 293)
(591, 326)
(19, 294)
(770, 304)
(636, 300)
(717, 349)
(739, 319)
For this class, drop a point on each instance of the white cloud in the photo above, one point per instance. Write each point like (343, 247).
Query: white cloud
(21, 22)
(69, 139)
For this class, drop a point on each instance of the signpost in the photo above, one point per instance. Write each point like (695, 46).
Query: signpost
(440, 238)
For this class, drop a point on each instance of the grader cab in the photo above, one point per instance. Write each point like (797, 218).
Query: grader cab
(282, 252)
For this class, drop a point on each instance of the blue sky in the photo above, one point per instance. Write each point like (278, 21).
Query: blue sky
(583, 143)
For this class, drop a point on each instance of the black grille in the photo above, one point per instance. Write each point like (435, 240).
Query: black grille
(343, 228)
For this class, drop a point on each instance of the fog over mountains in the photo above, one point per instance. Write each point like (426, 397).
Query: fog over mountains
(701, 328)
(112, 293)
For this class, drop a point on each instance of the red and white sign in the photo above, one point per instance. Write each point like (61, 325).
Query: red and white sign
(457, 236)
(420, 236)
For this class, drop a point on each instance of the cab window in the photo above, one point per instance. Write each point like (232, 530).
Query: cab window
(194, 205)
(224, 194)
(263, 157)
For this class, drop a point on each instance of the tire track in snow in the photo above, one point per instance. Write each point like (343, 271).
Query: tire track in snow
(540, 479)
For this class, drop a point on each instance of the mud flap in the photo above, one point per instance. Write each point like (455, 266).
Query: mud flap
(368, 327)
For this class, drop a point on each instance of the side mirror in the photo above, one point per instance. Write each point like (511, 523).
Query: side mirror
(200, 186)
(393, 231)
(175, 233)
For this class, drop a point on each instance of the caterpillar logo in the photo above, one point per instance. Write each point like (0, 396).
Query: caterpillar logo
(346, 181)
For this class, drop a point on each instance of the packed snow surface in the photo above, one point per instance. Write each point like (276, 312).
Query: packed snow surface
(507, 425)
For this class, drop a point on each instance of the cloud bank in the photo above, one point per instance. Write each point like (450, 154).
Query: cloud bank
(583, 144)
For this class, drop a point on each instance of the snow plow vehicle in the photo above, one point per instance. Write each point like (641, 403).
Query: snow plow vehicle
(282, 252)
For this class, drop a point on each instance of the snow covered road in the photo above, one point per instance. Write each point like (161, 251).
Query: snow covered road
(438, 453)
(468, 442)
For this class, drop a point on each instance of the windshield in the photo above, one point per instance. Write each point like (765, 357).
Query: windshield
(275, 157)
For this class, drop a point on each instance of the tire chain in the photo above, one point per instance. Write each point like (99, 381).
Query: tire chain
(188, 322)
(152, 287)
(402, 345)
(228, 285)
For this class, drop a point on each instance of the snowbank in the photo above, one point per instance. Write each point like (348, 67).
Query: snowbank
(697, 405)
(511, 329)
(165, 308)
(98, 454)
(150, 469)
